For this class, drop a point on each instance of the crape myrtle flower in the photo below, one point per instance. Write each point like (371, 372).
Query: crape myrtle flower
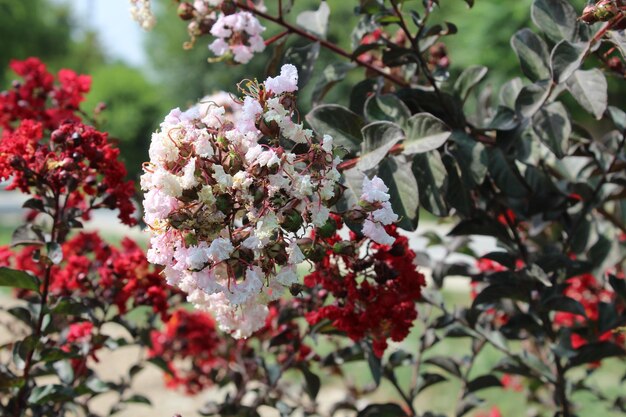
(230, 196)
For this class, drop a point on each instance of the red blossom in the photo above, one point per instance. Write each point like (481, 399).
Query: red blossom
(375, 295)
(37, 97)
(188, 344)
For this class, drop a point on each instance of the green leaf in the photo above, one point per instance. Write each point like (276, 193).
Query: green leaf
(566, 58)
(505, 174)
(446, 363)
(378, 139)
(27, 234)
(18, 279)
(589, 88)
(619, 118)
(386, 107)
(556, 18)
(428, 379)
(483, 382)
(54, 252)
(469, 79)
(340, 123)
(471, 156)
(531, 98)
(315, 22)
(504, 119)
(331, 75)
(424, 133)
(304, 58)
(483, 226)
(431, 176)
(138, 399)
(312, 382)
(51, 393)
(532, 53)
(374, 362)
(553, 127)
(509, 92)
(397, 174)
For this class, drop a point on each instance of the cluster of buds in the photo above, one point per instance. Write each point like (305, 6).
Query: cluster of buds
(438, 57)
(237, 33)
(603, 11)
(230, 200)
(141, 12)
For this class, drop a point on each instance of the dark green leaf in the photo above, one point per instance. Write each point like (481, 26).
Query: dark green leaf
(312, 382)
(566, 304)
(589, 88)
(424, 132)
(566, 58)
(471, 156)
(431, 176)
(138, 399)
(64, 371)
(397, 174)
(304, 58)
(504, 119)
(483, 382)
(619, 118)
(619, 286)
(484, 226)
(378, 139)
(331, 75)
(468, 79)
(446, 363)
(557, 19)
(532, 53)
(340, 123)
(51, 393)
(553, 127)
(54, 252)
(506, 174)
(497, 292)
(34, 204)
(27, 234)
(374, 363)
(428, 379)
(18, 279)
(70, 307)
(386, 107)
(509, 92)
(595, 352)
(382, 410)
(531, 98)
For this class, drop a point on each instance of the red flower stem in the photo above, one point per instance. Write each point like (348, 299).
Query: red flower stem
(28, 362)
(351, 163)
(276, 37)
(328, 45)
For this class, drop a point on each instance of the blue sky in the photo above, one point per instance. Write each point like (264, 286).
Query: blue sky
(120, 35)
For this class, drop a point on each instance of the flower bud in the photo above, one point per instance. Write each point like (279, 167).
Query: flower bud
(292, 222)
(357, 216)
(268, 129)
(206, 25)
(589, 15)
(228, 7)
(314, 252)
(278, 253)
(223, 203)
(328, 229)
(343, 248)
(185, 11)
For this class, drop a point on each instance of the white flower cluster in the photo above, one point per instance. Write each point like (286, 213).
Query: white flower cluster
(227, 198)
(375, 196)
(141, 12)
(239, 34)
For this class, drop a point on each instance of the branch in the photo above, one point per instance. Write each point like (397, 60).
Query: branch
(328, 45)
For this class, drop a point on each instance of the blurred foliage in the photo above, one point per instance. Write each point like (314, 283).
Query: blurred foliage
(133, 110)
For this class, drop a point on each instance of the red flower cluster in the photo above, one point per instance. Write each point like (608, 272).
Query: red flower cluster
(374, 295)
(38, 98)
(77, 163)
(590, 293)
(188, 344)
(47, 151)
(122, 277)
